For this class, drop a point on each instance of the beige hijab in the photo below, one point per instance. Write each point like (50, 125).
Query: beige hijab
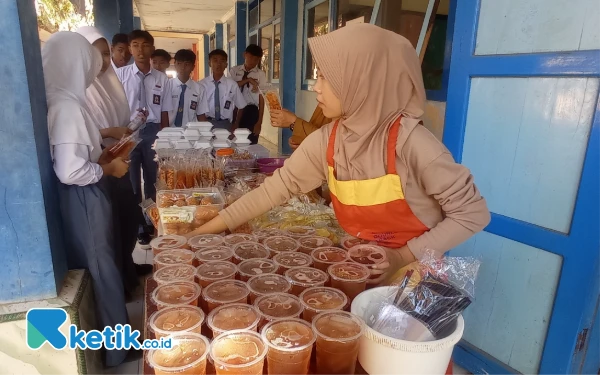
(377, 76)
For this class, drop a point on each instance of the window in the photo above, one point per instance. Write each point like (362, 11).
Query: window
(213, 42)
(267, 10)
(277, 52)
(266, 42)
(277, 7)
(354, 11)
(231, 28)
(317, 24)
(254, 38)
(252, 14)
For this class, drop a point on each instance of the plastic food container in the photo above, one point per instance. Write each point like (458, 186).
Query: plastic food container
(221, 143)
(187, 355)
(172, 257)
(292, 259)
(277, 306)
(239, 352)
(181, 211)
(280, 244)
(225, 292)
(203, 126)
(249, 250)
(175, 320)
(262, 285)
(309, 243)
(288, 353)
(205, 240)
(254, 267)
(168, 243)
(176, 294)
(299, 232)
(211, 272)
(270, 165)
(350, 278)
(320, 299)
(349, 241)
(177, 272)
(162, 144)
(213, 254)
(303, 278)
(236, 238)
(232, 317)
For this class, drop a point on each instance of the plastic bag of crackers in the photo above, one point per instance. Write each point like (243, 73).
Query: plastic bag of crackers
(182, 211)
(193, 169)
(151, 210)
(271, 95)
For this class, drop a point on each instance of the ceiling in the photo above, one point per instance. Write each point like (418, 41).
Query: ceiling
(182, 16)
(172, 45)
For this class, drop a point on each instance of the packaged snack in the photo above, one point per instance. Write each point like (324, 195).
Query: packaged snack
(123, 148)
(271, 95)
(151, 211)
(182, 211)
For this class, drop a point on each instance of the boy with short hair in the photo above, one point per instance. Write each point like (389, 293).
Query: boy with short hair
(161, 60)
(222, 94)
(148, 89)
(120, 51)
(249, 78)
(187, 98)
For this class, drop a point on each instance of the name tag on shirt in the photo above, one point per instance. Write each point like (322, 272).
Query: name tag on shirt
(193, 105)
(156, 99)
(228, 104)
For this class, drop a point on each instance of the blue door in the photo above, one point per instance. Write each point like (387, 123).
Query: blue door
(523, 115)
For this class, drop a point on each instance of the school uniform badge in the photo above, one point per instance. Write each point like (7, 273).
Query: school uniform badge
(156, 99)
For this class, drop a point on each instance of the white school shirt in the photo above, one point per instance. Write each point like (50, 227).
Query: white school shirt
(193, 103)
(158, 93)
(237, 73)
(230, 96)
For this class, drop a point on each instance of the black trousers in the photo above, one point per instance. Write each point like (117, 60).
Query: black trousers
(248, 120)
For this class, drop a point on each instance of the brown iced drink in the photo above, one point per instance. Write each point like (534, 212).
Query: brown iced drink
(225, 292)
(176, 320)
(321, 299)
(236, 238)
(267, 284)
(288, 260)
(210, 272)
(212, 254)
(297, 232)
(338, 336)
(309, 243)
(231, 317)
(172, 257)
(281, 244)
(350, 278)
(303, 278)
(277, 306)
(239, 352)
(290, 343)
(263, 234)
(187, 356)
(176, 294)
(254, 267)
(168, 243)
(349, 242)
(249, 250)
(368, 255)
(205, 240)
(179, 272)
(323, 257)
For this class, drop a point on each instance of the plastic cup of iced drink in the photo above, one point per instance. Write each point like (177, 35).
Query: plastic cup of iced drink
(168, 243)
(281, 244)
(288, 260)
(263, 234)
(324, 257)
(310, 243)
(303, 278)
(178, 272)
(179, 293)
(176, 320)
(349, 242)
(338, 336)
(249, 250)
(210, 272)
(239, 352)
(298, 232)
(290, 343)
(187, 355)
(321, 299)
(350, 278)
(236, 238)
(277, 306)
(231, 317)
(368, 255)
(255, 267)
(267, 284)
(205, 240)
(225, 292)
(173, 257)
(213, 254)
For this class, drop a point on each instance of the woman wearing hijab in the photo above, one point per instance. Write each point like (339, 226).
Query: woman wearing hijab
(109, 108)
(391, 180)
(71, 64)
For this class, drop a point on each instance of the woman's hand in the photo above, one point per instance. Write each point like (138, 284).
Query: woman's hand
(215, 226)
(395, 259)
(116, 168)
(282, 118)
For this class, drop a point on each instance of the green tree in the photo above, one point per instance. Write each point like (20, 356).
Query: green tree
(61, 15)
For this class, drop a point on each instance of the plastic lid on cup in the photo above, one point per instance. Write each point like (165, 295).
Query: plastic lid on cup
(314, 242)
(168, 242)
(320, 299)
(172, 257)
(367, 255)
(349, 242)
(213, 253)
(237, 315)
(233, 346)
(178, 272)
(225, 291)
(217, 270)
(205, 240)
(340, 326)
(236, 238)
(268, 284)
(177, 293)
(329, 255)
(250, 250)
(349, 272)
(279, 306)
(292, 259)
(256, 266)
(300, 335)
(176, 319)
(280, 244)
(306, 276)
(190, 348)
(301, 231)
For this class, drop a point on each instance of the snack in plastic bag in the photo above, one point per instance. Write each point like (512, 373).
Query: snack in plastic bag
(123, 148)
(151, 211)
(271, 94)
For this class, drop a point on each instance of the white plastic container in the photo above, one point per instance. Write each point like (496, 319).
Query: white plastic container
(202, 126)
(221, 143)
(182, 144)
(379, 354)
(171, 134)
(206, 134)
(202, 145)
(191, 132)
(162, 144)
(242, 132)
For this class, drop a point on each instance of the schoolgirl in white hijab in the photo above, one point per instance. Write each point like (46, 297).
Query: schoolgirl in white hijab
(70, 65)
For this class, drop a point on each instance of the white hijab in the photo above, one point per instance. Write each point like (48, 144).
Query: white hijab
(71, 64)
(106, 97)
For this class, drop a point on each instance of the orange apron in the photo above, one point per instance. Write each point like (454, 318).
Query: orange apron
(374, 209)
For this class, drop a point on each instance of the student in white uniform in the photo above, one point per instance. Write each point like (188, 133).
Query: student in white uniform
(120, 51)
(147, 88)
(222, 94)
(188, 101)
(70, 65)
(249, 78)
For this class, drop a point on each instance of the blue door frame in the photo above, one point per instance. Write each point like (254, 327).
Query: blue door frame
(580, 247)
